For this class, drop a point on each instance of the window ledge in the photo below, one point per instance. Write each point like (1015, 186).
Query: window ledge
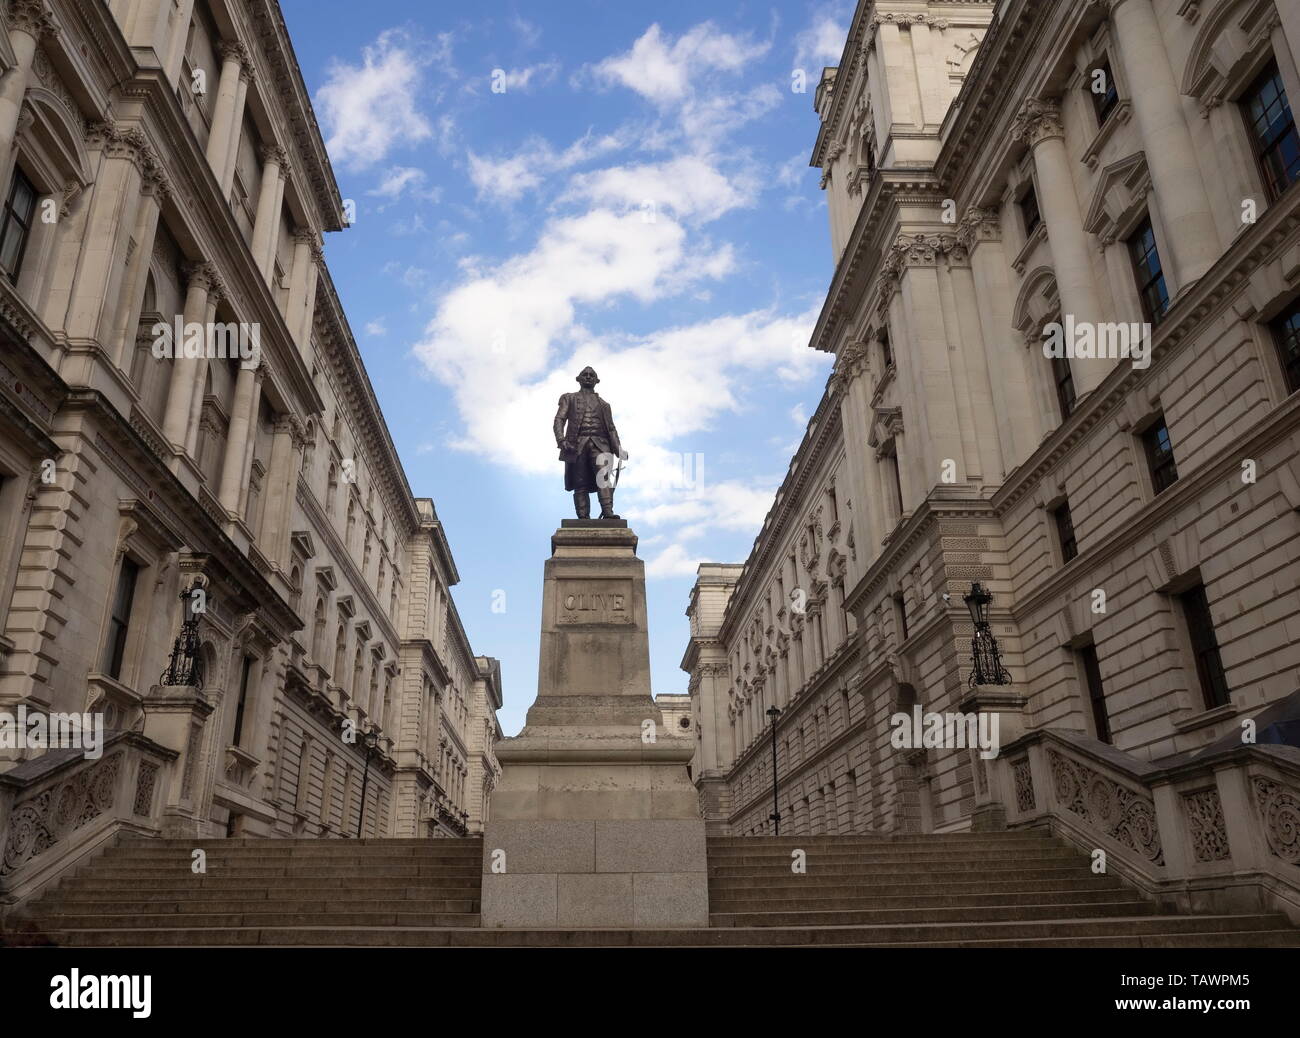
(1206, 718)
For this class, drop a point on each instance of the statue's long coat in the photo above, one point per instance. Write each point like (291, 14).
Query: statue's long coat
(568, 419)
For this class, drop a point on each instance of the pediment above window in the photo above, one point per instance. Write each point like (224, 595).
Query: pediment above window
(1119, 199)
(1229, 48)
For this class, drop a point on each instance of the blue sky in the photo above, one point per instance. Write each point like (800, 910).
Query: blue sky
(634, 195)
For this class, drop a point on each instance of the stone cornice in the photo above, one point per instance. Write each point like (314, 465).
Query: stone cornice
(289, 96)
(788, 499)
(861, 260)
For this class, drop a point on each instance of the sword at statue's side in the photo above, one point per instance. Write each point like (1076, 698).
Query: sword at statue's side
(618, 469)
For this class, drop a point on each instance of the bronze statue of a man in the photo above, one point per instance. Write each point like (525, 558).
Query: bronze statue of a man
(589, 447)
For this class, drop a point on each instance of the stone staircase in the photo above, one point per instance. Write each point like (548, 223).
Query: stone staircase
(971, 890)
(968, 890)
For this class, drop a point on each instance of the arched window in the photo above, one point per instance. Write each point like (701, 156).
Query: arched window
(340, 654)
(358, 664)
(331, 487)
(295, 585)
(318, 632)
(352, 520)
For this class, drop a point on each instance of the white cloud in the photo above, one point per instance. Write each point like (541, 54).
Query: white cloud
(686, 186)
(376, 327)
(369, 109)
(508, 178)
(822, 43)
(673, 561)
(661, 71)
(522, 78)
(400, 180)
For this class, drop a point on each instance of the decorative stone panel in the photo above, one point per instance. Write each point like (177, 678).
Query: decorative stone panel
(1279, 810)
(1024, 779)
(37, 824)
(1120, 813)
(1204, 812)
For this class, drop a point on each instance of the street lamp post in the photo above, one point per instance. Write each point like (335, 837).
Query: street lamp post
(370, 740)
(775, 817)
(986, 661)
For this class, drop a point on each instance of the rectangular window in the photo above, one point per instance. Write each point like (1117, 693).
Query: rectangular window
(1029, 212)
(1101, 85)
(1063, 377)
(900, 606)
(244, 676)
(120, 618)
(1205, 647)
(16, 224)
(886, 354)
(1096, 694)
(1286, 333)
(1150, 275)
(1160, 455)
(896, 480)
(1272, 127)
(1065, 532)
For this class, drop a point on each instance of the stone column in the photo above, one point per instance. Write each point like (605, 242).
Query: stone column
(201, 277)
(1171, 156)
(111, 213)
(1013, 406)
(280, 477)
(269, 202)
(174, 57)
(302, 286)
(236, 128)
(931, 84)
(215, 294)
(28, 22)
(251, 443)
(154, 191)
(241, 420)
(1039, 124)
(224, 116)
(850, 381)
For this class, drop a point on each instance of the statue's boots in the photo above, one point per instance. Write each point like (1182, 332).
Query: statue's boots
(582, 503)
(606, 495)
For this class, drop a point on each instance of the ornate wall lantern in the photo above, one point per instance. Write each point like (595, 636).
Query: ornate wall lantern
(986, 662)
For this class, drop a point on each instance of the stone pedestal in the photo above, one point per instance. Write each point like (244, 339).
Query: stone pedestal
(594, 822)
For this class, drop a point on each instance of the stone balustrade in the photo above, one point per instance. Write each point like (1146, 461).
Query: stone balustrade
(1209, 832)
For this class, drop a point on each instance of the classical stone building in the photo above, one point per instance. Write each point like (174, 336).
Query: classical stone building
(1000, 176)
(162, 164)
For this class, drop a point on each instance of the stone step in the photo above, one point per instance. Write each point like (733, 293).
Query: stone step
(1014, 912)
(723, 843)
(849, 903)
(199, 920)
(919, 858)
(876, 871)
(111, 871)
(368, 863)
(303, 907)
(269, 850)
(1151, 931)
(918, 887)
(400, 842)
(208, 888)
